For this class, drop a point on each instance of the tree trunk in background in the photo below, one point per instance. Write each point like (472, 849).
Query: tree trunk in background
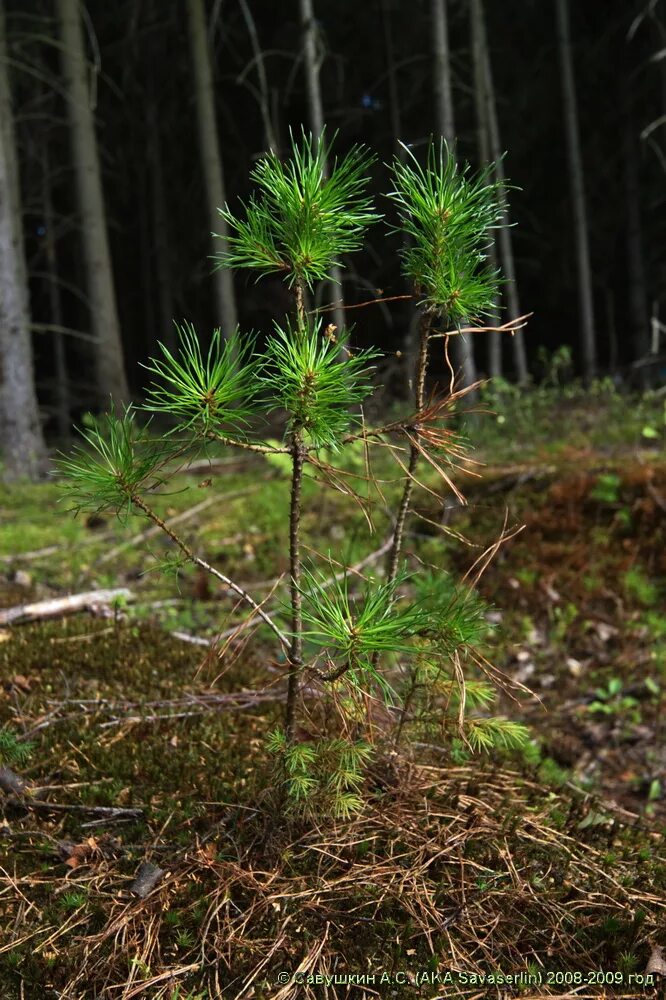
(264, 97)
(110, 366)
(62, 395)
(316, 115)
(483, 145)
(576, 179)
(23, 447)
(638, 293)
(160, 229)
(462, 348)
(407, 357)
(210, 156)
(495, 153)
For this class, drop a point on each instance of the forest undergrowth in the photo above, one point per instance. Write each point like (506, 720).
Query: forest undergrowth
(143, 856)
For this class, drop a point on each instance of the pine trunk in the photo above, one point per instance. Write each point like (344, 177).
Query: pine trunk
(24, 453)
(463, 351)
(576, 180)
(62, 395)
(316, 116)
(210, 157)
(110, 366)
(483, 146)
(495, 153)
(638, 293)
(160, 230)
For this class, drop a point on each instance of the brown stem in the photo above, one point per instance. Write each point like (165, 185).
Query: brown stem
(419, 399)
(299, 291)
(406, 704)
(296, 651)
(262, 449)
(189, 554)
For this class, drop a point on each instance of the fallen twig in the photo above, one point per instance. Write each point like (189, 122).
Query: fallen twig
(200, 706)
(58, 606)
(109, 812)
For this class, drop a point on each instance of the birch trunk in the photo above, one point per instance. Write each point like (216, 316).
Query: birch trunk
(316, 114)
(495, 152)
(110, 365)
(21, 436)
(576, 180)
(463, 351)
(210, 157)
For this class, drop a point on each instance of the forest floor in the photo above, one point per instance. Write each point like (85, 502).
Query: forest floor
(549, 863)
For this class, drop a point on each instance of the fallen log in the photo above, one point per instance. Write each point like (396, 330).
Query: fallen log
(59, 606)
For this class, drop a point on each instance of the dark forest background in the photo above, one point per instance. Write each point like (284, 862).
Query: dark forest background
(377, 74)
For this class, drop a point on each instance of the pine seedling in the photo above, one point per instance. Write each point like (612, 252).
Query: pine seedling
(13, 752)
(301, 221)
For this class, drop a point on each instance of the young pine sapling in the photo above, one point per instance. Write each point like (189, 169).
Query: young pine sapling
(379, 643)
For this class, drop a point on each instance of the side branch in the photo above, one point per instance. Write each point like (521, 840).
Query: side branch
(261, 449)
(197, 560)
(513, 326)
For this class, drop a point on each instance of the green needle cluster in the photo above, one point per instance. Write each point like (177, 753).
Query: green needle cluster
(205, 392)
(317, 381)
(303, 217)
(447, 213)
(119, 462)
(456, 614)
(355, 628)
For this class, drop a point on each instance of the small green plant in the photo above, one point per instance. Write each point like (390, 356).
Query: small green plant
(607, 488)
(325, 775)
(13, 751)
(610, 700)
(655, 793)
(564, 617)
(638, 586)
(399, 638)
(184, 939)
(178, 994)
(73, 900)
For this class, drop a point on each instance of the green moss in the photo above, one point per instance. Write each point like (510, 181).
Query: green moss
(638, 586)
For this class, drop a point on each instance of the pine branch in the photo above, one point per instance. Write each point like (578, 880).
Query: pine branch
(198, 561)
